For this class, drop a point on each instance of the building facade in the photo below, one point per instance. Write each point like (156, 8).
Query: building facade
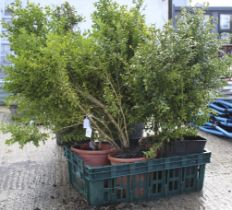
(222, 18)
(5, 16)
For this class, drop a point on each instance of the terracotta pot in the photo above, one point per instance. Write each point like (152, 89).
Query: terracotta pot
(95, 157)
(123, 181)
(115, 160)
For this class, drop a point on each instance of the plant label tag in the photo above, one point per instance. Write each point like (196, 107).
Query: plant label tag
(88, 132)
(86, 123)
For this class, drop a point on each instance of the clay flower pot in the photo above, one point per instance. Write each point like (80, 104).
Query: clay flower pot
(94, 157)
(116, 160)
(123, 181)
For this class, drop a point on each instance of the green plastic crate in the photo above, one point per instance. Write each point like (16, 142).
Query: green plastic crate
(139, 181)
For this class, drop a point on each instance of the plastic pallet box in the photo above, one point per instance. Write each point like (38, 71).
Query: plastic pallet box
(145, 180)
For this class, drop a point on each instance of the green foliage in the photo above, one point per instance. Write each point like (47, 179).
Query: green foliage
(71, 134)
(117, 31)
(38, 77)
(65, 19)
(60, 75)
(120, 73)
(151, 153)
(23, 134)
(176, 74)
(153, 143)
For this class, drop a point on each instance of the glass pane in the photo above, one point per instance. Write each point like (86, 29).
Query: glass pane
(225, 22)
(225, 36)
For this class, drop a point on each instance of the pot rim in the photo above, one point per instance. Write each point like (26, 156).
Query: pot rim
(125, 160)
(93, 152)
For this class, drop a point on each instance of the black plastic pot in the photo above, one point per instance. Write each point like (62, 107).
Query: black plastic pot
(59, 140)
(136, 133)
(190, 145)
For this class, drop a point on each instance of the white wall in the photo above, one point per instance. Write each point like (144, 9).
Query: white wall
(156, 12)
(181, 3)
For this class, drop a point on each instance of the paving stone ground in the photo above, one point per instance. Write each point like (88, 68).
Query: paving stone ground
(35, 178)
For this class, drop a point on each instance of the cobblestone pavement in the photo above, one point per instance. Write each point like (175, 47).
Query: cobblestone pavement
(35, 178)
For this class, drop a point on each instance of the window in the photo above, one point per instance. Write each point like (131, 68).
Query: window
(225, 36)
(225, 22)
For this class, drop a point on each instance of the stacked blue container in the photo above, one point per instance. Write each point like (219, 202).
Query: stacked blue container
(221, 120)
